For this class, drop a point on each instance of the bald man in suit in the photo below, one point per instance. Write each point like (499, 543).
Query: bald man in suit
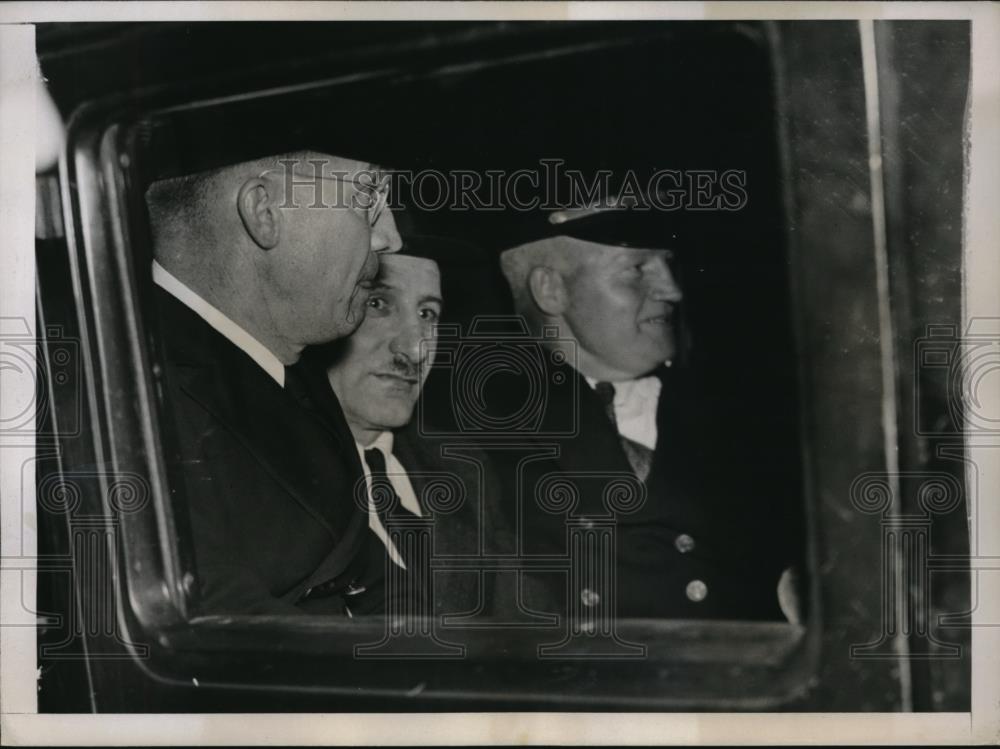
(250, 270)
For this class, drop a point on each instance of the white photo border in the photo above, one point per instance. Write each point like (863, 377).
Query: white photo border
(19, 723)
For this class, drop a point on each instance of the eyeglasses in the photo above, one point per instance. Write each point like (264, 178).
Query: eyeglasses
(372, 196)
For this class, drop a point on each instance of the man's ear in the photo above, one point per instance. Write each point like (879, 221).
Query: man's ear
(548, 290)
(258, 208)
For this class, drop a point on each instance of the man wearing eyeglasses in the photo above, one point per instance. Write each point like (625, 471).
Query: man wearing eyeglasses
(253, 263)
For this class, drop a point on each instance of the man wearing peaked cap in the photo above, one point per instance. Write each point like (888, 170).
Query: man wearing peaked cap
(604, 278)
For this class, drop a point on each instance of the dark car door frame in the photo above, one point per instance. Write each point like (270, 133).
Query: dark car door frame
(235, 661)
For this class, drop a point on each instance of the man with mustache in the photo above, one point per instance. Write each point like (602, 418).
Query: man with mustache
(378, 374)
(254, 262)
(596, 286)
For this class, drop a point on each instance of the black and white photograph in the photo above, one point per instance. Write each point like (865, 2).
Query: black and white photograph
(505, 360)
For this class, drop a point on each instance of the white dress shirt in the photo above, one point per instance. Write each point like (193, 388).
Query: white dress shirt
(220, 322)
(400, 483)
(635, 408)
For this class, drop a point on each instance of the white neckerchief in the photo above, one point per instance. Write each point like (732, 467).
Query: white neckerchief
(635, 405)
(220, 322)
(400, 483)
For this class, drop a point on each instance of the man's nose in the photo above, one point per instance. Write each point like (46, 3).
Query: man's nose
(664, 286)
(412, 342)
(384, 235)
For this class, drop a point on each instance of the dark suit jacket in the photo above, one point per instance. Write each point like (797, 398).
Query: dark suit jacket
(476, 527)
(704, 522)
(265, 479)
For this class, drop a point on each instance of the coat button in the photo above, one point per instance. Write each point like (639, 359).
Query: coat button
(684, 543)
(696, 591)
(589, 598)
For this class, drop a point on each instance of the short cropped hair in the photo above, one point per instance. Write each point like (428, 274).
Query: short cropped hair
(170, 199)
(184, 202)
(518, 262)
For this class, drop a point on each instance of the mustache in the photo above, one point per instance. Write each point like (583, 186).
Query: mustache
(404, 368)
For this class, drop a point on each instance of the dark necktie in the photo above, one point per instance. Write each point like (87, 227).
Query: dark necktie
(384, 497)
(404, 585)
(639, 456)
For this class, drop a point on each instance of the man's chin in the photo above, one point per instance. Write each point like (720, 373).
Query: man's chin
(396, 399)
(339, 329)
(655, 357)
(669, 353)
(658, 343)
(393, 418)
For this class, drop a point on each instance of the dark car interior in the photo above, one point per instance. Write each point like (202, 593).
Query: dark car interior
(705, 97)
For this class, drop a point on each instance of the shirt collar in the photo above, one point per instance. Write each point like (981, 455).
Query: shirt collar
(220, 322)
(383, 443)
(625, 386)
(635, 408)
(635, 395)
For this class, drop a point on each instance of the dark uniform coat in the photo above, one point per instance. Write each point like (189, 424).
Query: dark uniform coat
(262, 477)
(699, 546)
